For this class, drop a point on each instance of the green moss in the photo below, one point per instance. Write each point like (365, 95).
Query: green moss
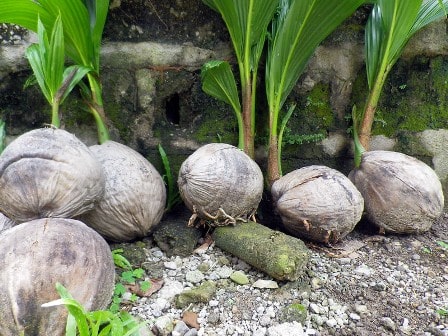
(414, 98)
(217, 125)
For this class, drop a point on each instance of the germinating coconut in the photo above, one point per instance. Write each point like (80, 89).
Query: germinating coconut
(221, 184)
(402, 194)
(38, 254)
(317, 203)
(134, 197)
(48, 173)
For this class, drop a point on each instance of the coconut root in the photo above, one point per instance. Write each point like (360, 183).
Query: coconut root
(220, 219)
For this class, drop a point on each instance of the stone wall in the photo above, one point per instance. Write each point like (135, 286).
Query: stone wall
(151, 60)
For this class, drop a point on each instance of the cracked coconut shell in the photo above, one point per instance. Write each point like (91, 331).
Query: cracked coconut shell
(317, 203)
(402, 194)
(134, 197)
(221, 184)
(48, 173)
(38, 254)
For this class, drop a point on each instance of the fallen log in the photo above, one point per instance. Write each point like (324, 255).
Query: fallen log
(281, 256)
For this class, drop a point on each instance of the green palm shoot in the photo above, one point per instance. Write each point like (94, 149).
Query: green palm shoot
(47, 59)
(247, 22)
(83, 22)
(297, 30)
(96, 323)
(390, 26)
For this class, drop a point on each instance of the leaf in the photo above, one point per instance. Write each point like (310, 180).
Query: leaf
(120, 260)
(303, 27)
(387, 32)
(71, 77)
(218, 81)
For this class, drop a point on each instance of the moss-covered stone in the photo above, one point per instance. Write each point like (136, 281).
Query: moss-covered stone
(294, 312)
(281, 256)
(202, 293)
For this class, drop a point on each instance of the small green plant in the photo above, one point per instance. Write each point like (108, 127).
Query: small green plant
(296, 31)
(442, 312)
(96, 323)
(443, 244)
(173, 197)
(247, 22)
(47, 59)
(129, 276)
(390, 26)
(83, 22)
(426, 249)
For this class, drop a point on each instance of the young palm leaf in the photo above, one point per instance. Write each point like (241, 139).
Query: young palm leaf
(47, 61)
(299, 27)
(83, 22)
(218, 81)
(390, 26)
(247, 22)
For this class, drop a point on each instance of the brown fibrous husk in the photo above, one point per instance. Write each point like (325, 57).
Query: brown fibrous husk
(48, 173)
(317, 203)
(220, 184)
(402, 194)
(38, 254)
(134, 197)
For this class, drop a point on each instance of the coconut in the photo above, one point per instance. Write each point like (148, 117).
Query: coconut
(221, 184)
(38, 254)
(402, 194)
(317, 203)
(134, 197)
(48, 173)
(5, 223)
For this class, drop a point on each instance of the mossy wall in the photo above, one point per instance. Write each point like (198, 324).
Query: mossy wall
(153, 94)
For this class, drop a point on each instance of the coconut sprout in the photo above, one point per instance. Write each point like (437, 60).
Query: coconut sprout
(38, 254)
(220, 184)
(134, 197)
(402, 194)
(48, 173)
(317, 203)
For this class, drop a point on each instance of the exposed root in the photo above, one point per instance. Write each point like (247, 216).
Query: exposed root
(220, 219)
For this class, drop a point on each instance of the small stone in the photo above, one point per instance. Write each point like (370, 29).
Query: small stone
(171, 265)
(361, 309)
(265, 321)
(224, 272)
(213, 318)
(364, 270)
(331, 322)
(316, 283)
(288, 328)
(314, 308)
(195, 276)
(204, 267)
(388, 323)
(192, 332)
(239, 277)
(265, 284)
(355, 317)
(203, 293)
(180, 329)
(164, 325)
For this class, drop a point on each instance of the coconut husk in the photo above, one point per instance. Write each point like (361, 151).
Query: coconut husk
(402, 194)
(317, 203)
(134, 197)
(220, 184)
(38, 254)
(48, 173)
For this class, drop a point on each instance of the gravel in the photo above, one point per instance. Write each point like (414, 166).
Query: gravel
(367, 285)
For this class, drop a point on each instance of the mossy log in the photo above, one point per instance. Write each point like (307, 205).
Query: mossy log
(281, 256)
